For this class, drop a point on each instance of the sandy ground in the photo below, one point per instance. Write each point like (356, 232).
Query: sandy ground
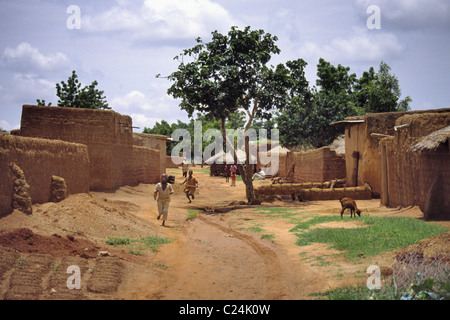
(214, 256)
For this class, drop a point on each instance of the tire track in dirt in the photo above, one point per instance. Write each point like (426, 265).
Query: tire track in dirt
(270, 258)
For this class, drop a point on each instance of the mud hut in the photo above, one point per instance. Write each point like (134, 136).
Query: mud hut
(415, 164)
(362, 138)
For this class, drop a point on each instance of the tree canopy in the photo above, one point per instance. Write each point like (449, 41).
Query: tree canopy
(231, 72)
(305, 121)
(71, 94)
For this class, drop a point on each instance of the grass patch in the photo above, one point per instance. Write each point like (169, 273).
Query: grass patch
(268, 236)
(137, 246)
(161, 266)
(427, 290)
(358, 293)
(256, 228)
(278, 212)
(192, 214)
(381, 234)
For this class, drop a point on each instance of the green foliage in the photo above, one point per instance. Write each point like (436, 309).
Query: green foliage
(305, 122)
(383, 93)
(72, 95)
(42, 103)
(114, 241)
(229, 72)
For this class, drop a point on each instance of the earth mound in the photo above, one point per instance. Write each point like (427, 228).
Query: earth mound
(25, 240)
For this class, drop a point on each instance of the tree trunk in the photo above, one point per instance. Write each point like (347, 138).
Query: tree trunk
(245, 170)
(247, 176)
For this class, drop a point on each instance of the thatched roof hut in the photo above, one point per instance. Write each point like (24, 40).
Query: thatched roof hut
(228, 158)
(218, 161)
(433, 140)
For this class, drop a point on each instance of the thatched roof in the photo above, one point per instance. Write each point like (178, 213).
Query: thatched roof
(433, 140)
(338, 145)
(229, 157)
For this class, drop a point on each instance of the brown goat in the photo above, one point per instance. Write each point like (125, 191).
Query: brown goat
(297, 195)
(350, 204)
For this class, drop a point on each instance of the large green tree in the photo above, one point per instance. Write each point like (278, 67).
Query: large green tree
(71, 94)
(305, 122)
(231, 72)
(383, 92)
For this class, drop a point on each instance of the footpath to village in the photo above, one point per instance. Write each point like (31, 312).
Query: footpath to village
(215, 248)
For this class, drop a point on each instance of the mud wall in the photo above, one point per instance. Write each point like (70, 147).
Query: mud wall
(285, 162)
(314, 191)
(144, 169)
(416, 178)
(107, 134)
(40, 159)
(318, 165)
(153, 141)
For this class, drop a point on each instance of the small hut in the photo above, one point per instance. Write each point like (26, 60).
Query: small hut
(217, 162)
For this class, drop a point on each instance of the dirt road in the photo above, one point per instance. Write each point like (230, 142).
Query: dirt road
(238, 254)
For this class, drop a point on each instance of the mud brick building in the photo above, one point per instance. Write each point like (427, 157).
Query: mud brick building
(379, 151)
(89, 149)
(415, 164)
(114, 161)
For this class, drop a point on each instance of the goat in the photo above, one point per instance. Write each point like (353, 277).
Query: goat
(297, 195)
(350, 204)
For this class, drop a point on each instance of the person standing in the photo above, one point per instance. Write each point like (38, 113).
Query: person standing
(233, 179)
(233, 170)
(162, 193)
(226, 173)
(185, 168)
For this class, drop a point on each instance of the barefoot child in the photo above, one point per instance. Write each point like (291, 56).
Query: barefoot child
(191, 186)
(163, 191)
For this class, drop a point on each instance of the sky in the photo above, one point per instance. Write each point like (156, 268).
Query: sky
(124, 44)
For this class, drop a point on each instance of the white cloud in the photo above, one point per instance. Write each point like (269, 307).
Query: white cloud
(26, 58)
(146, 110)
(362, 46)
(134, 98)
(7, 126)
(161, 20)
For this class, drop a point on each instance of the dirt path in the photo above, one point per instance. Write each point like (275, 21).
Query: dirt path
(212, 257)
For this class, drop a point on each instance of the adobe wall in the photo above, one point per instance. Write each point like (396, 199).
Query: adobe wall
(318, 165)
(143, 169)
(153, 141)
(416, 178)
(107, 135)
(285, 162)
(360, 142)
(40, 159)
